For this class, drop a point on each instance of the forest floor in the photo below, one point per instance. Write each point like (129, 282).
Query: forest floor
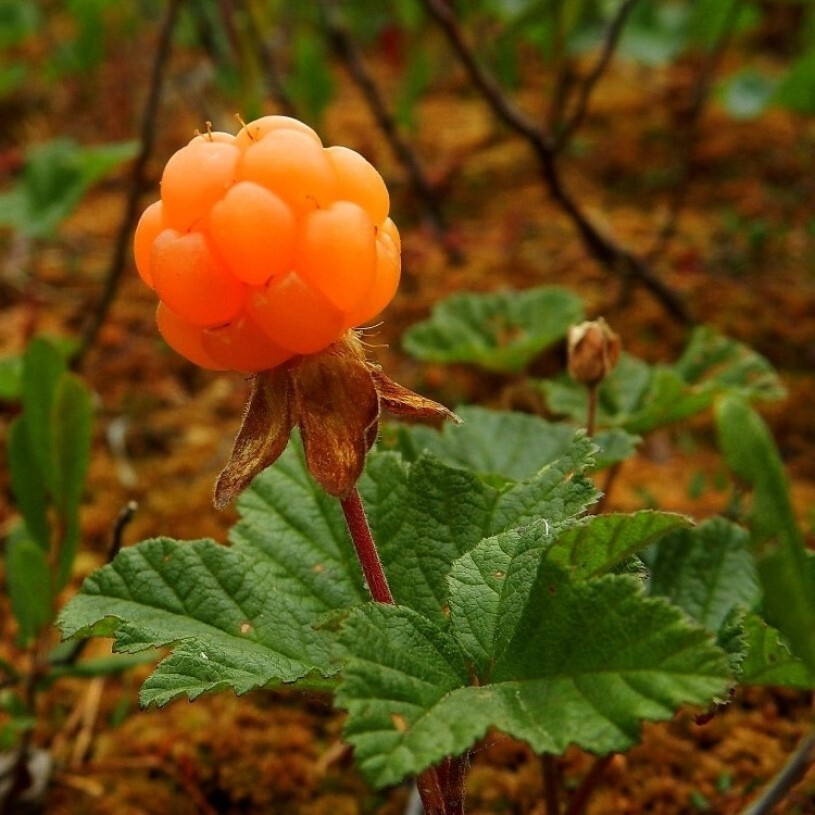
(742, 260)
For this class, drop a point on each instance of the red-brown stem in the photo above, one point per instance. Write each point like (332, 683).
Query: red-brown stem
(452, 772)
(430, 789)
(551, 783)
(592, 410)
(577, 806)
(365, 548)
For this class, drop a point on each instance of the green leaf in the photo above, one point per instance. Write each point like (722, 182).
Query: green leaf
(425, 515)
(711, 20)
(767, 659)
(298, 531)
(310, 84)
(29, 585)
(600, 542)
(502, 331)
(512, 445)
(234, 626)
(747, 94)
(414, 83)
(579, 664)
(796, 91)
(401, 667)
(11, 376)
(102, 666)
(27, 484)
(639, 397)
(56, 176)
(707, 571)
(42, 369)
(71, 434)
(783, 568)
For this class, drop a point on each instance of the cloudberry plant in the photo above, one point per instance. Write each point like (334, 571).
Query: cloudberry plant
(266, 250)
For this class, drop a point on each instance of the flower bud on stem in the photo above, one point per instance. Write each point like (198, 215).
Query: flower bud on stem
(594, 350)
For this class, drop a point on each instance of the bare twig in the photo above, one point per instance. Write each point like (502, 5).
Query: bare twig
(504, 108)
(562, 66)
(351, 55)
(581, 104)
(791, 773)
(687, 144)
(137, 181)
(617, 258)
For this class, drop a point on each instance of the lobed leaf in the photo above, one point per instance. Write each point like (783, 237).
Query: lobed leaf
(580, 663)
(425, 515)
(210, 599)
(57, 174)
(512, 445)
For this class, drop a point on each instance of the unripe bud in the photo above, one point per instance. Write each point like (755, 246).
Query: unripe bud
(593, 351)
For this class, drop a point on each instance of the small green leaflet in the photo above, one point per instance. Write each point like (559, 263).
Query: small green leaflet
(501, 331)
(707, 571)
(29, 584)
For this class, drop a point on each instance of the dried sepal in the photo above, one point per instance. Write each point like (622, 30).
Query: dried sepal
(335, 397)
(402, 401)
(338, 410)
(263, 436)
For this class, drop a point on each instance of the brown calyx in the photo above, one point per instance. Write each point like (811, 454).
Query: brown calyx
(335, 397)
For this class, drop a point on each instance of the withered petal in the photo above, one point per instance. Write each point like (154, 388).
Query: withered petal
(263, 436)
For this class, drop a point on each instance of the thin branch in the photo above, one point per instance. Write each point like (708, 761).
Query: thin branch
(791, 773)
(504, 108)
(581, 105)
(351, 55)
(618, 259)
(687, 144)
(564, 76)
(121, 523)
(137, 181)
